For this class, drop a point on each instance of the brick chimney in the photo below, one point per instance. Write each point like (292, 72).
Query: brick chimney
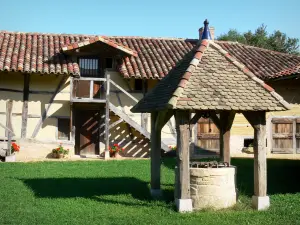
(211, 30)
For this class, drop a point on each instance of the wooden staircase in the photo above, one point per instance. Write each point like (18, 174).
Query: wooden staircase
(125, 118)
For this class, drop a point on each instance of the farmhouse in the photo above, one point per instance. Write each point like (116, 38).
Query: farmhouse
(79, 89)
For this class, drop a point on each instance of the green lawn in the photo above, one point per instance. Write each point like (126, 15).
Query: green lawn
(117, 192)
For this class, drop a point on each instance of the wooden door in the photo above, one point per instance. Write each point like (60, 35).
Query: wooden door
(208, 135)
(88, 129)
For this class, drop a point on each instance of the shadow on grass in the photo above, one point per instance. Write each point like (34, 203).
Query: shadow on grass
(283, 175)
(92, 188)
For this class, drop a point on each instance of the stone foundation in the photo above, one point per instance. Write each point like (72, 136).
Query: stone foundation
(213, 187)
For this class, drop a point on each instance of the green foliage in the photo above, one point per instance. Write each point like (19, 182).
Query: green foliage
(60, 150)
(277, 41)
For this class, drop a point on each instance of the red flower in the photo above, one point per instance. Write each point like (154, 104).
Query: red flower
(116, 145)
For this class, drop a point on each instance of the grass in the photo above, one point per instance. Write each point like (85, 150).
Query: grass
(117, 192)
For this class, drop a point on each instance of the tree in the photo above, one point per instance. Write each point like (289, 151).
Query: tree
(277, 41)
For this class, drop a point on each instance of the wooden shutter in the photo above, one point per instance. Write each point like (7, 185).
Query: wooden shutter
(208, 135)
(283, 135)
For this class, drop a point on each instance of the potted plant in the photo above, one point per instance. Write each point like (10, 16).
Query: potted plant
(60, 152)
(115, 151)
(13, 149)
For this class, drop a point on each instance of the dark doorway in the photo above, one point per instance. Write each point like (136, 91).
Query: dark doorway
(89, 127)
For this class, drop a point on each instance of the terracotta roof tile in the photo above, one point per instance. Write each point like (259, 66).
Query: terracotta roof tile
(265, 64)
(213, 81)
(41, 53)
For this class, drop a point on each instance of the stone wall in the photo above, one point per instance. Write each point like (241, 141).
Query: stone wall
(213, 187)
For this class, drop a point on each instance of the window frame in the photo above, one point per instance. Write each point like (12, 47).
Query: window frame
(57, 128)
(91, 58)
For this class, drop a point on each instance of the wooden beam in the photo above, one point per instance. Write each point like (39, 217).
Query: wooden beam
(294, 137)
(106, 153)
(225, 123)
(182, 185)
(7, 129)
(258, 122)
(163, 118)
(72, 123)
(25, 105)
(115, 123)
(91, 89)
(216, 119)
(144, 120)
(9, 105)
(195, 118)
(155, 154)
(44, 115)
(124, 91)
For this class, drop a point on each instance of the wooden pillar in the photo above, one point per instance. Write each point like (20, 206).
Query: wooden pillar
(25, 106)
(155, 154)
(9, 105)
(72, 123)
(144, 120)
(182, 170)
(106, 153)
(260, 200)
(225, 123)
(144, 116)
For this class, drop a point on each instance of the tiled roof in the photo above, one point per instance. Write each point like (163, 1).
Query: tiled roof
(43, 53)
(264, 63)
(102, 39)
(210, 79)
(290, 71)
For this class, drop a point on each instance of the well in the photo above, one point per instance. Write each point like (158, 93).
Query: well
(213, 187)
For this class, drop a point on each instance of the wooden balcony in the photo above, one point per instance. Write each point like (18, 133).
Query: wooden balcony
(89, 89)
(94, 90)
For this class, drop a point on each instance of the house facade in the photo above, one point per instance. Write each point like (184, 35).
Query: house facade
(79, 89)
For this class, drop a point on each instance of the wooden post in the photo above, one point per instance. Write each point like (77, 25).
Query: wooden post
(106, 153)
(9, 105)
(260, 200)
(144, 116)
(144, 120)
(25, 105)
(182, 185)
(91, 89)
(72, 123)
(225, 123)
(155, 156)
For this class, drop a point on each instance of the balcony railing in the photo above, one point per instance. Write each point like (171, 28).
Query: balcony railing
(88, 89)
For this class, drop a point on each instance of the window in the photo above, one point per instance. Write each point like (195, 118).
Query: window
(138, 85)
(89, 67)
(63, 125)
(286, 135)
(248, 142)
(108, 63)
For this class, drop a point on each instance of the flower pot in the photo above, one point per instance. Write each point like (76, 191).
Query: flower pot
(117, 155)
(57, 155)
(10, 158)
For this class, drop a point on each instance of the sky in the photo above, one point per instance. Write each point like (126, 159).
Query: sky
(154, 18)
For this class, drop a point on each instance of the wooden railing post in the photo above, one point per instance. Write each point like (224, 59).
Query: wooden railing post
(91, 89)
(106, 154)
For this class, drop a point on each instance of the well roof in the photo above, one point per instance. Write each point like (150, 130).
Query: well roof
(209, 78)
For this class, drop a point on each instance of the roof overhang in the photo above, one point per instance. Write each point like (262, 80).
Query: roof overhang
(102, 40)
